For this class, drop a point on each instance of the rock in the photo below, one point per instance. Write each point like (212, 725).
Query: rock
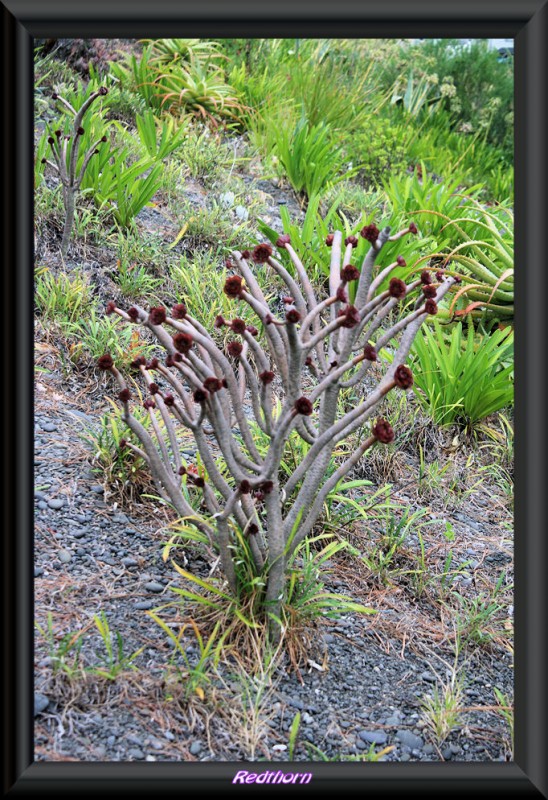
(410, 739)
(373, 737)
(395, 719)
(153, 586)
(296, 703)
(169, 736)
(143, 605)
(41, 702)
(64, 556)
(195, 748)
(428, 749)
(447, 753)
(136, 754)
(78, 533)
(56, 503)
(100, 751)
(130, 562)
(405, 757)
(42, 505)
(49, 427)
(427, 676)
(111, 741)
(97, 489)
(38, 571)
(120, 518)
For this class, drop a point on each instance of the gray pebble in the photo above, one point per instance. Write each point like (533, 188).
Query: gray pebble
(100, 751)
(428, 749)
(111, 740)
(42, 505)
(81, 517)
(64, 556)
(169, 736)
(40, 495)
(130, 562)
(49, 427)
(136, 753)
(143, 605)
(195, 748)
(152, 586)
(56, 503)
(120, 518)
(427, 676)
(410, 739)
(41, 702)
(373, 737)
(78, 533)
(133, 739)
(447, 753)
(296, 703)
(405, 757)
(107, 560)
(395, 719)
(97, 489)
(38, 571)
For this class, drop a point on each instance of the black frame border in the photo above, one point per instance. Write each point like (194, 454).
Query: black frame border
(524, 20)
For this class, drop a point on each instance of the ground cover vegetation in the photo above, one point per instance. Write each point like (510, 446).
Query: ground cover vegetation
(274, 293)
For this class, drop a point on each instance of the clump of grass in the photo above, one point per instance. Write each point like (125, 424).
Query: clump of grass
(61, 298)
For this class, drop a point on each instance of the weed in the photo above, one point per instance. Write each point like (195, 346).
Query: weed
(61, 298)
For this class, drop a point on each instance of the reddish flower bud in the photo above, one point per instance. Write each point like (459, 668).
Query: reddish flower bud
(431, 307)
(182, 470)
(268, 320)
(440, 275)
(169, 400)
(457, 278)
(246, 255)
(122, 444)
(224, 383)
(179, 311)
(259, 496)
(133, 314)
(105, 362)
(177, 357)
(234, 348)
(267, 486)
(111, 307)
(149, 403)
(80, 131)
(183, 342)
(341, 295)
(369, 352)
(403, 377)
(303, 406)
(349, 273)
(220, 321)
(401, 262)
(103, 90)
(156, 316)
(170, 361)
(154, 388)
(426, 277)
(233, 286)
(293, 316)
(413, 228)
(199, 482)
(383, 431)
(212, 384)
(351, 317)
(397, 288)
(103, 139)
(370, 233)
(253, 529)
(153, 363)
(51, 140)
(308, 361)
(238, 325)
(140, 361)
(353, 240)
(229, 264)
(200, 396)
(252, 330)
(54, 96)
(266, 377)
(283, 240)
(58, 134)
(244, 487)
(43, 161)
(429, 290)
(124, 395)
(261, 253)
(288, 300)
(329, 239)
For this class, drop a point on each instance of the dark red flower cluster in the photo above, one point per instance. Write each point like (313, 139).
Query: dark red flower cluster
(154, 388)
(244, 487)
(401, 262)
(429, 291)
(397, 288)
(266, 377)
(105, 362)
(329, 239)
(350, 317)
(238, 325)
(212, 384)
(169, 400)
(293, 316)
(139, 361)
(281, 241)
(431, 307)
(353, 240)
(233, 286)
(383, 431)
(124, 395)
(234, 348)
(303, 406)
(111, 307)
(403, 377)
(261, 253)
(133, 314)
(370, 232)
(426, 277)
(183, 342)
(369, 352)
(200, 396)
(149, 403)
(179, 311)
(349, 273)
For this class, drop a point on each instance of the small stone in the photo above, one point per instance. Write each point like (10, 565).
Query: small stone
(447, 754)
(111, 740)
(427, 676)
(97, 489)
(132, 739)
(373, 737)
(38, 571)
(42, 505)
(241, 212)
(169, 736)
(307, 719)
(41, 702)
(195, 748)
(428, 749)
(56, 503)
(296, 703)
(81, 518)
(143, 605)
(78, 533)
(410, 739)
(100, 751)
(136, 754)
(49, 427)
(152, 586)
(64, 556)
(130, 562)
(405, 757)
(395, 719)
(120, 518)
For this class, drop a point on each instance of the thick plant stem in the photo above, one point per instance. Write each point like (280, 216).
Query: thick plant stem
(69, 220)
